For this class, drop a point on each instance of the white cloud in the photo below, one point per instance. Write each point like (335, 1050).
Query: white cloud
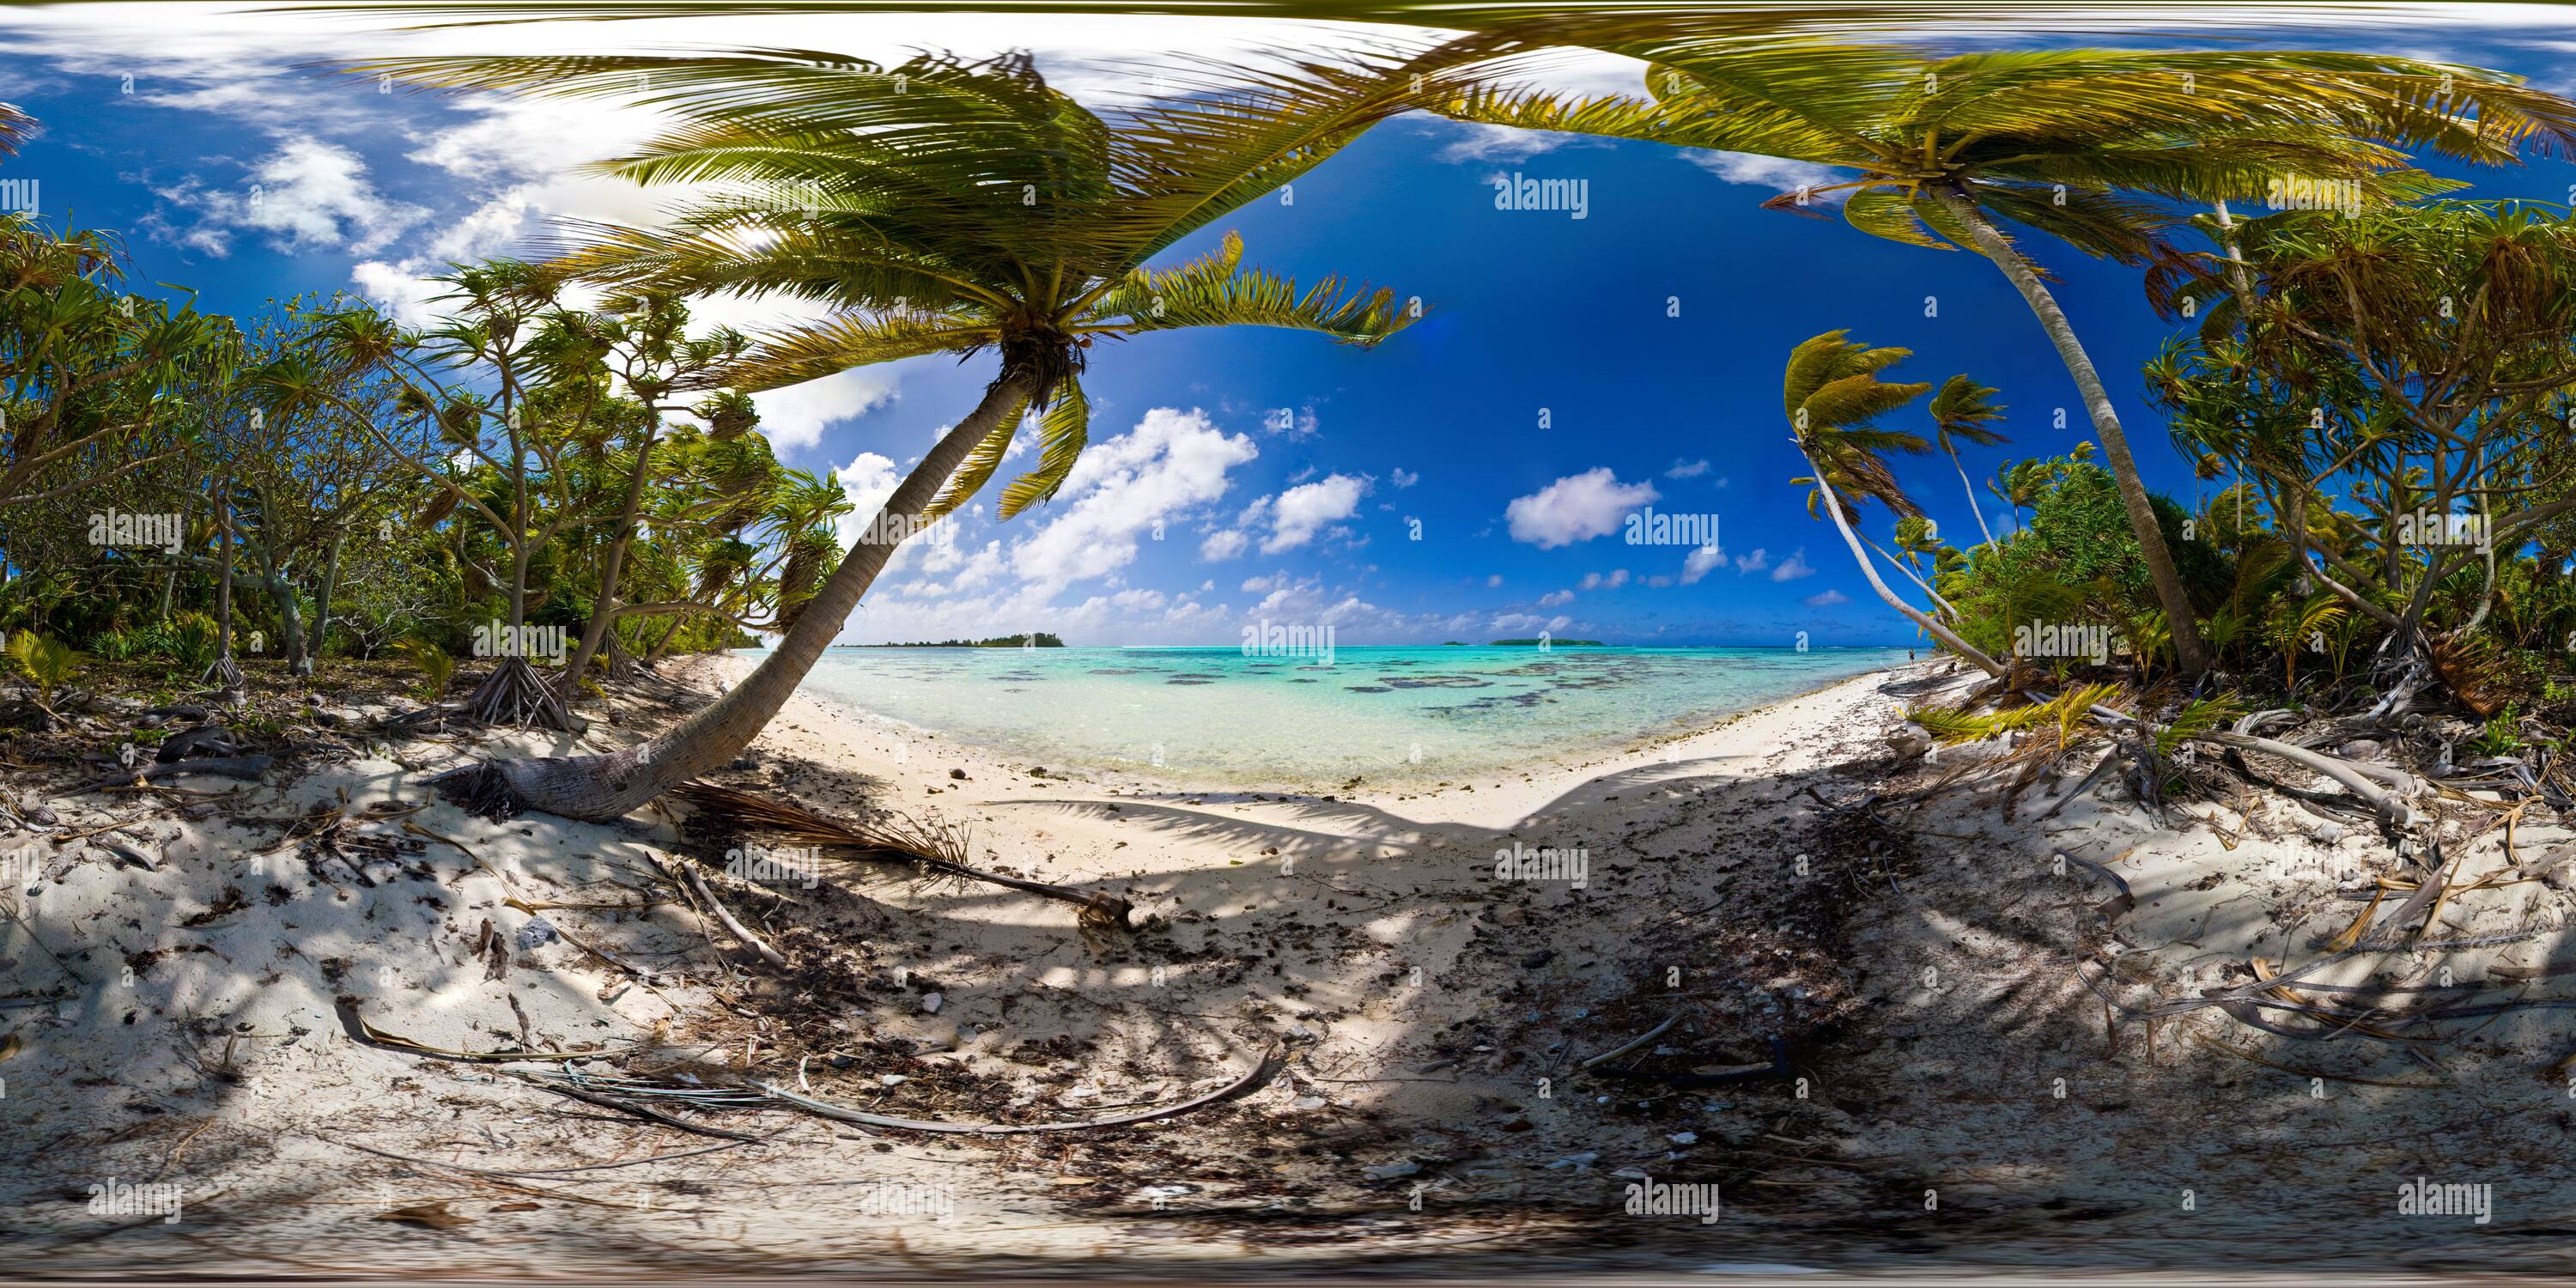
(1686, 469)
(1170, 462)
(1825, 599)
(1555, 597)
(1792, 568)
(307, 195)
(1479, 142)
(1575, 508)
(1596, 581)
(1493, 581)
(797, 415)
(1403, 479)
(1699, 562)
(1776, 173)
(1300, 511)
(1223, 544)
(1759, 560)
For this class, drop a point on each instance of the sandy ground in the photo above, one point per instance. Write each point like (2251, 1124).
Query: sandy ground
(1947, 1083)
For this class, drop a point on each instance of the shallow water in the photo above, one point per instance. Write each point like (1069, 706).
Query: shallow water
(1390, 715)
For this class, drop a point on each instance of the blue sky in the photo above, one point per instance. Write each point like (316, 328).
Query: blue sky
(1467, 480)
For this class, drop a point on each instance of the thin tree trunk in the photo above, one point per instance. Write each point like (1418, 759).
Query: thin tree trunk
(1971, 490)
(224, 579)
(322, 597)
(603, 608)
(1948, 609)
(599, 788)
(1948, 638)
(2191, 654)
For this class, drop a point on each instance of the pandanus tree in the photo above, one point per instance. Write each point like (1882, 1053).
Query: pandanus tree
(1833, 397)
(937, 208)
(2416, 360)
(2092, 148)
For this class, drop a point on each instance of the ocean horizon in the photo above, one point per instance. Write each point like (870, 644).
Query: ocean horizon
(1319, 718)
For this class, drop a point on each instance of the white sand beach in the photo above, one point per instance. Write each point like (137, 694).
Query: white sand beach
(1441, 1098)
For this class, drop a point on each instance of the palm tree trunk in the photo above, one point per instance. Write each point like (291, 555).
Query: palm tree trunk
(2190, 653)
(1948, 609)
(1971, 490)
(1948, 638)
(599, 788)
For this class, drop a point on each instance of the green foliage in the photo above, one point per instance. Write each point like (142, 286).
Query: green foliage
(437, 667)
(45, 661)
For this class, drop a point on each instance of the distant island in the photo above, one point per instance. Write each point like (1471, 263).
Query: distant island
(1045, 639)
(1553, 643)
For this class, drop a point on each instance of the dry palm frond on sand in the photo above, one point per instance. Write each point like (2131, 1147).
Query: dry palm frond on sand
(935, 850)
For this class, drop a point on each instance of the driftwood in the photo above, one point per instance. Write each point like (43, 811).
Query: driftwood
(1253, 1080)
(739, 931)
(935, 852)
(246, 768)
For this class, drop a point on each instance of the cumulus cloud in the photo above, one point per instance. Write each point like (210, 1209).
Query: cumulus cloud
(1298, 513)
(1555, 597)
(1170, 462)
(1402, 479)
(1825, 599)
(797, 415)
(1479, 142)
(307, 195)
(1792, 568)
(1596, 581)
(1776, 173)
(1700, 562)
(1575, 508)
(1223, 544)
(1759, 560)
(1686, 469)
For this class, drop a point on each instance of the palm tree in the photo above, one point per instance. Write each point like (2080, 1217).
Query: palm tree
(2067, 142)
(1960, 412)
(939, 207)
(1831, 395)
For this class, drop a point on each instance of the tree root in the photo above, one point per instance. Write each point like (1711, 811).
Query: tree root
(514, 694)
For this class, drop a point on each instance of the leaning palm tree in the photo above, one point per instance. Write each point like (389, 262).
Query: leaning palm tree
(938, 207)
(1832, 395)
(1960, 413)
(2073, 143)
